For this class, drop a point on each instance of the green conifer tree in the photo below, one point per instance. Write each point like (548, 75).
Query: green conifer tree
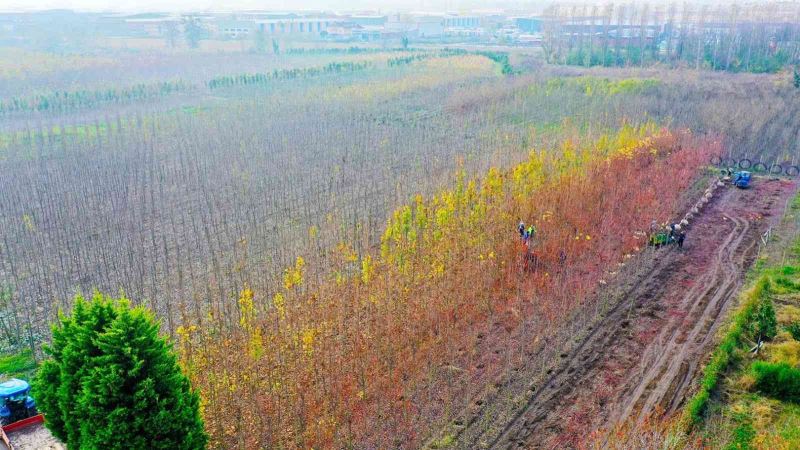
(766, 324)
(113, 383)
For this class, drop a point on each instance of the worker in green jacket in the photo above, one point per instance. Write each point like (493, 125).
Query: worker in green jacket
(530, 232)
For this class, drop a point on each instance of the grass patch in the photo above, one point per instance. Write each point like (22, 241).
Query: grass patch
(789, 270)
(743, 433)
(753, 421)
(20, 364)
(787, 424)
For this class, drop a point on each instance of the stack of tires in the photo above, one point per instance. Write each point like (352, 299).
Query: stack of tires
(786, 169)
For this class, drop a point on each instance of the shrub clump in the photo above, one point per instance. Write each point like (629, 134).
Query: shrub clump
(777, 380)
(794, 329)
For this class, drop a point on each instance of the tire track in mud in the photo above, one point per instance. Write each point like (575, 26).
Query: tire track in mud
(669, 374)
(573, 368)
(613, 328)
(660, 371)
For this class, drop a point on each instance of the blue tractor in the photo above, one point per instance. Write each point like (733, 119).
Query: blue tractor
(15, 403)
(741, 179)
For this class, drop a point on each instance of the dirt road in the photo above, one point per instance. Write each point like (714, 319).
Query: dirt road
(644, 353)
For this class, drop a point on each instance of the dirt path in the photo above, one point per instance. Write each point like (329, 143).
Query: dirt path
(644, 354)
(35, 437)
(671, 360)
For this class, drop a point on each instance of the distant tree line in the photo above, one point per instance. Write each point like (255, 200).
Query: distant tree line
(404, 60)
(760, 39)
(65, 101)
(68, 101)
(340, 51)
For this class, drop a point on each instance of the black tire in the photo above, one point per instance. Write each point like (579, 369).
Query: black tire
(730, 162)
(715, 160)
(776, 169)
(745, 163)
(792, 171)
(759, 167)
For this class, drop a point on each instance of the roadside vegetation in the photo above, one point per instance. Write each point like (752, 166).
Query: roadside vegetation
(756, 393)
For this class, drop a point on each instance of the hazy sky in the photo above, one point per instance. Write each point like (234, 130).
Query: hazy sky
(195, 5)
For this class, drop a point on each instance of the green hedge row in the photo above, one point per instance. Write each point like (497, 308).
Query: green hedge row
(285, 74)
(400, 61)
(61, 101)
(341, 51)
(745, 323)
(500, 58)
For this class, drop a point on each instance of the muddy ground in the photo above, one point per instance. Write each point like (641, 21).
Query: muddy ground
(643, 353)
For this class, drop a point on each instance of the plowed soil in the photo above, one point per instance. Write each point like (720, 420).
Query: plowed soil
(643, 354)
